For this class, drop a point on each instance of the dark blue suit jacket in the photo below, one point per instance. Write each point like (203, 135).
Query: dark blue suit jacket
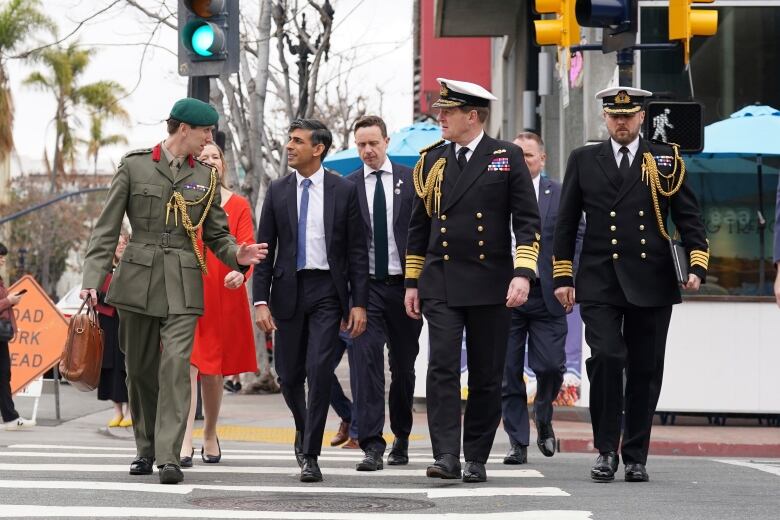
(275, 279)
(403, 197)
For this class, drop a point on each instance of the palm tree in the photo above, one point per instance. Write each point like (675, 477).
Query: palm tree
(97, 140)
(18, 20)
(102, 99)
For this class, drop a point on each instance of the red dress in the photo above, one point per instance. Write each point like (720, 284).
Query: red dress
(224, 338)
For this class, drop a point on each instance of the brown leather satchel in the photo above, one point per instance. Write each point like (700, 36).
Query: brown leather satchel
(82, 357)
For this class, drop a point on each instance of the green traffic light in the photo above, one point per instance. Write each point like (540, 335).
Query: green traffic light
(202, 40)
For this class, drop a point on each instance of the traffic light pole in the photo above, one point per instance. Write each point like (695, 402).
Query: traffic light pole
(198, 88)
(625, 57)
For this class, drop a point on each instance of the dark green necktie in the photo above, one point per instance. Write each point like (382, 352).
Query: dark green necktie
(380, 230)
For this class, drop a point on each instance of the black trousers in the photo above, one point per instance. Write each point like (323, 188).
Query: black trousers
(546, 336)
(631, 339)
(6, 402)
(307, 352)
(487, 329)
(387, 323)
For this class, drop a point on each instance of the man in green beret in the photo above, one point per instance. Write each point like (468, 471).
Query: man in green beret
(168, 197)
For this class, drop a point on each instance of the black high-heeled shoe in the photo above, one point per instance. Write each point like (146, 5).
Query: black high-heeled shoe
(211, 459)
(186, 462)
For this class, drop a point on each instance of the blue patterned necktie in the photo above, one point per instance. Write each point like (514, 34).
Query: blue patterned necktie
(302, 214)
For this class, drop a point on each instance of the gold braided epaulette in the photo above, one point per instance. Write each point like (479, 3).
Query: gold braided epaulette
(429, 188)
(652, 176)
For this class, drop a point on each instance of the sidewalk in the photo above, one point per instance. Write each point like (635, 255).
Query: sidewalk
(265, 419)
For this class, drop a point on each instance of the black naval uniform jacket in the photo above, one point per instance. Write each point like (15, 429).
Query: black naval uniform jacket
(624, 259)
(462, 255)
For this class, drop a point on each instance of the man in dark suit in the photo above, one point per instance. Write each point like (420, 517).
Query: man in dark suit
(460, 274)
(385, 193)
(626, 280)
(542, 320)
(311, 221)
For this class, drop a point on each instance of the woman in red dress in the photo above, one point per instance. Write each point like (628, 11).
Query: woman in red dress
(224, 339)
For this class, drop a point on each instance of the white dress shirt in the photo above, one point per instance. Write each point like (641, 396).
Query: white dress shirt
(394, 259)
(633, 146)
(471, 146)
(536, 181)
(316, 254)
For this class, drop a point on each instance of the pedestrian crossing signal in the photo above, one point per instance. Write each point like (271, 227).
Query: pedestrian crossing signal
(679, 122)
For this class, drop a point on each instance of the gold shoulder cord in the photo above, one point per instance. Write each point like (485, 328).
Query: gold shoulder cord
(429, 189)
(652, 177)
(178, 204)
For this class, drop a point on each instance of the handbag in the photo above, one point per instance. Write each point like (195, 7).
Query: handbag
(82, 357)
(6, 330)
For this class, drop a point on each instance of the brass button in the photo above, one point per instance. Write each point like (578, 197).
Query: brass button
(613, 228)
(614, 241)
(481, 242)
(480, 228)
(641, 227)
(443, 230)
(444, 217)
(481, 257)
(642, 241)
(446, 257)
(444, 243)
(641, 213)
(479, 215)
(146, 192)
(643, 255)
(611, 213)
(615, 256)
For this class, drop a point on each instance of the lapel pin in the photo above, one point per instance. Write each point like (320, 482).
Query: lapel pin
(397, 191)
(547, 191)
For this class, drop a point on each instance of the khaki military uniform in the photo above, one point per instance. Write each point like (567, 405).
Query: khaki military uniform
(158, 286)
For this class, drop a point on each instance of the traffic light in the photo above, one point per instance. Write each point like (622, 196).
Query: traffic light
(679, 122)
(208, 37)
(562, 31)
(618, 18)
(685, 23)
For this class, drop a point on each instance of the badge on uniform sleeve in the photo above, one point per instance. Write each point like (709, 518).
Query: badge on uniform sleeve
(499, 164)
(196, 187)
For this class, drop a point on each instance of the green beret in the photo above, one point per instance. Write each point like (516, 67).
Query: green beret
(194, 112)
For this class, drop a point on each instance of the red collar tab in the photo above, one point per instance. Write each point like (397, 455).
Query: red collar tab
(157, 152)
(191, 161)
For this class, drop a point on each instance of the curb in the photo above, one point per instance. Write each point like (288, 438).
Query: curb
(689, 449)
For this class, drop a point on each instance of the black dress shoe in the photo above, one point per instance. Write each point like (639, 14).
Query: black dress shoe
(636, 472)
(372, 461)
(446, 466)
(298, 447)
(142, 466)
(186, 462)
(604, 468)
(170, 474)
(211, 459)
(517, 454)
(310, 470)
(545, 438)
(474, 472)
(399, 455)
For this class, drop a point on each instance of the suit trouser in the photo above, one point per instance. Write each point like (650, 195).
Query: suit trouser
(338, 400)
(157, 354)
(307, 352)
(546, 357)
(487, 329)
(7, 408)
(387, 323)
(634, 339)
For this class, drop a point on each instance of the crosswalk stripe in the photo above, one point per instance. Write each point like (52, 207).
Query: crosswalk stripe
(270, 470)
(34, 511)
(773, 468)
(184, 489)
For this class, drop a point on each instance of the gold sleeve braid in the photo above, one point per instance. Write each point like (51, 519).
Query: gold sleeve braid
(562, 268)
(414, 266)
(527, 256)
(429, 188)
(178, 204)
(652, 177)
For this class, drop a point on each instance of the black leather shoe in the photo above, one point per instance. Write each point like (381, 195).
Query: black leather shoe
(399, 455)
(474, 472)
(545, 438)
(310, 470)
(372, 461)
(604, 468)
(170, 474)
(142, 466)
(298, 447)
(186, 462)
(636, 472)
(517, 454)
(446, 466)
(211, 459)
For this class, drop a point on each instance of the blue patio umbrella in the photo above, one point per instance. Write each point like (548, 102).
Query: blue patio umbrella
(404, 148)
(750, 132)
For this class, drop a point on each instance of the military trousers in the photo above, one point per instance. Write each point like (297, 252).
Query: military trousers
(157, 355)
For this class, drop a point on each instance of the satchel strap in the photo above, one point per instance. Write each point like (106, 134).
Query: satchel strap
(91, 310)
